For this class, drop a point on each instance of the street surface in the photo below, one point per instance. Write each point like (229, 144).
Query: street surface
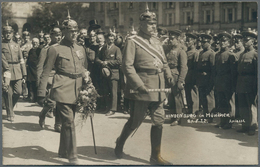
(25, 143)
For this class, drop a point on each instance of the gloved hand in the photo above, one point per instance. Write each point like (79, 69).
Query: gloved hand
(104, 63)
(5, 87)
(142, 89)
(40, 100)
(170, 81)
(24, 78)
(180, 85)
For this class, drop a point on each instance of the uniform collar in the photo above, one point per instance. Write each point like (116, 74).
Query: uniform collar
(144, 35)
(67, 43)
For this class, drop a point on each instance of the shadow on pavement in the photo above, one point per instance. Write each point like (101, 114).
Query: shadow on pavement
(147, 119)
(31, 152)
(104, 155)
(247, 141)
(24, 126)
(26, 113)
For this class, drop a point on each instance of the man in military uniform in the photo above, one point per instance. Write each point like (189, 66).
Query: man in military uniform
(110, 57)
(191, 89)
(49, 104)
(27, 44)
(225, 80)
(206, 75)
(215, 45)
(14, 57)
(17, 38)
(6, 74)
(247, 84)
(177, 60)
(68, 60)
(145, 66)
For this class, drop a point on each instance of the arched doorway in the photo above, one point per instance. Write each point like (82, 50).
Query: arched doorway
(15, 27)
(27, 27)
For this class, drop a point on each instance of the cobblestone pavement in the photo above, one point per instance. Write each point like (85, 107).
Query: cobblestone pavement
(25, 143)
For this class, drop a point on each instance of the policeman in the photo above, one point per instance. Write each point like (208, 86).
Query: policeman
(68, 60)
(225, 80)
(177, 60)
(191, 89)
(247, 84)
(145, 67)
(14, 57)
(206, 75)
(110, 57)
(49, 104)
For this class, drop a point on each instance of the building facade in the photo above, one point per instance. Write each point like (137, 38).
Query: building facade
(198, 16)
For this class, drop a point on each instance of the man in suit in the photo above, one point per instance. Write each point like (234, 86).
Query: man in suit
(110, 57)
(68, 59)
(247, 84)
(12, 52)
(145, 66)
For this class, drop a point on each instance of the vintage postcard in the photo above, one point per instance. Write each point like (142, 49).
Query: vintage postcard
(130, 83)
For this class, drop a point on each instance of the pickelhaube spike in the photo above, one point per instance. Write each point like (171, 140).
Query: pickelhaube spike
(68, 17)
(147, 8)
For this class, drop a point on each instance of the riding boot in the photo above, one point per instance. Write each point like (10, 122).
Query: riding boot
(156, 136)
(121, 140)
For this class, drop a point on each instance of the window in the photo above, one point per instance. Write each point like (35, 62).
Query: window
(131, 21)
(131, 5)
(207, 16)
(170, 5)
(113, 5)
(189, 18)
(101, 6)
(170, 19)
(230, 15)
(115, 23)
(254, 15)
(153, 5)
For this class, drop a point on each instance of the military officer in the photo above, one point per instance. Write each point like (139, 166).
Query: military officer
(215, 45)
(27, 44)
(110, 57)
(49, 104)
(17, 38)
(225, 80)
(239, 48)
(191, 89)
(144, 66)
(68, 60)
(177, 60)
(206, 75)
(247, 84)
(6, 74)
(14, 57)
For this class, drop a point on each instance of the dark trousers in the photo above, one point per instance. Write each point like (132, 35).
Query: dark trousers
(11, 97)
(207, 99)
(192, 97)
(175, 98)
(67, 136)
(226, 104)
(32, 90)
(111, 94)
(247, 103)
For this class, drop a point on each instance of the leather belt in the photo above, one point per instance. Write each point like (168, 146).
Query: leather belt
(17, 62)
(70, 75)
(150, 71)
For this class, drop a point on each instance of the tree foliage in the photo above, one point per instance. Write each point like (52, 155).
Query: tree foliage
(6, 12)
(48, 13)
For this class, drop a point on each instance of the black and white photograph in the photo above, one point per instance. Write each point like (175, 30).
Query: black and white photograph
(130, 83)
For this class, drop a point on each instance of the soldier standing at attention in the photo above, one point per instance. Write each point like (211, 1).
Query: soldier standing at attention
(145, 66)
(49, 105)
(247, 84)
(177, 60)
(191, 89)
(110, 56)
(206, 75)
(225, 80)
(68, 60)
(12, 52)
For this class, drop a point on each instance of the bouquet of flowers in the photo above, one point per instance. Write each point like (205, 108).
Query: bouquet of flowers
(86, 104)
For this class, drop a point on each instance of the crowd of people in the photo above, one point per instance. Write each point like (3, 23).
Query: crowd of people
(208, 74)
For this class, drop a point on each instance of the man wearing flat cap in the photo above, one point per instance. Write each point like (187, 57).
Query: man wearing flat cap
(49, 104)
(247, 84)
(191, 89)
(68, 59)
(145, 67)
(225, 80)
(14, 57)
(177, 60)
(206, 75)
(110, 57)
